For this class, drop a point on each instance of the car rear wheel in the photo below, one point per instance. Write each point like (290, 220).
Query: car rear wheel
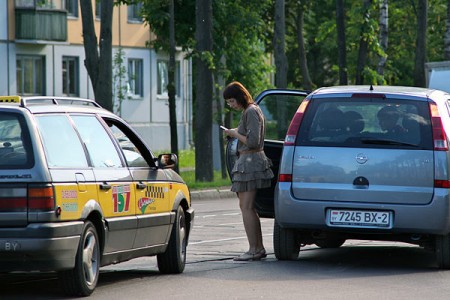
(82, 280)
(285, 243)
(174, 259)
(330, 243)
(443, 251)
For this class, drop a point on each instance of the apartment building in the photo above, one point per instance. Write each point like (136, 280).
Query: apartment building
(42, 53)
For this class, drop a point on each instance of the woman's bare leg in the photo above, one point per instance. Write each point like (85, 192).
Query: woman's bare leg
(251, 220)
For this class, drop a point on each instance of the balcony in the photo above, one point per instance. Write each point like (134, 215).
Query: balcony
(35, 21)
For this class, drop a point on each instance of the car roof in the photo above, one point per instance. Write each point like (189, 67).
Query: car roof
(45, 104)
(381, 89)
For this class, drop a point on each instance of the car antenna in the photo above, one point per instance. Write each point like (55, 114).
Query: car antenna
(371, 88)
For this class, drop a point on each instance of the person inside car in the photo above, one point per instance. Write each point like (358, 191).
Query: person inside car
(388, 117)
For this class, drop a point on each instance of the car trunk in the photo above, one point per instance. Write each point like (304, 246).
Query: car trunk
(363, 175)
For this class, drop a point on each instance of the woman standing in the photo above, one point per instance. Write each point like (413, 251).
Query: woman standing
(252, 169)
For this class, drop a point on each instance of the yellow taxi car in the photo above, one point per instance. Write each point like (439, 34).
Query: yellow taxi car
(79, 189)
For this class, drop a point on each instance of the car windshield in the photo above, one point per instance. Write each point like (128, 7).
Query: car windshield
(344, 122)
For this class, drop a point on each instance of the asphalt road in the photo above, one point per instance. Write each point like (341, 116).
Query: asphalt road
(357, 270)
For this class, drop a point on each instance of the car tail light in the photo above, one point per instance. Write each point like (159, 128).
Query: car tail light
(295, 124)
(285, 178)
(41, 198)
(13, 204)
(439, 135)
(445, 184)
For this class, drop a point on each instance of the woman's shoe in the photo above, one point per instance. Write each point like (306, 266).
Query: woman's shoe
(247, 256)
(260, 254)
(244, 257)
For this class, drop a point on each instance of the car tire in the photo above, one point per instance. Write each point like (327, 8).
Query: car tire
(443, 251)
(82, 279)
(173, 260)
(330, 243)
(285, 243)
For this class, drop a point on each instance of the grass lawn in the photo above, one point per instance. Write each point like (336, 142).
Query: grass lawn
(186, 160)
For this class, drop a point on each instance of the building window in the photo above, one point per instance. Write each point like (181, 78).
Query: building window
(135, 77)
(134, 12)
(30, 75)
(72, 8)
(41, 4)
(163, 77)
(70, 72)
(98, 10)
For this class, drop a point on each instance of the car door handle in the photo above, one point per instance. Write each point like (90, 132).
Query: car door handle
(105, 186)
(141, 185)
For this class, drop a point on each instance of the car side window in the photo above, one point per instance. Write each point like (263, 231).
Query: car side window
(99, 145)
(134, 152)
(61, 143)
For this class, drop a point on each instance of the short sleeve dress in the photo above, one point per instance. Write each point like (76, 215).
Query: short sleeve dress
(252, 169)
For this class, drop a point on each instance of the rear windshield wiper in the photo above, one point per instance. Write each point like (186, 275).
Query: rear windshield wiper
(386, 142)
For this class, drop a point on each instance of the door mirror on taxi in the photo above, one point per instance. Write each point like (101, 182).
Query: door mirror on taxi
(167, 160)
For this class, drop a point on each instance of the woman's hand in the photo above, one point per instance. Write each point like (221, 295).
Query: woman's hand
(231, 132)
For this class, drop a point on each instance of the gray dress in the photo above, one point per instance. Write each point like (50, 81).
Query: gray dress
(252, 169)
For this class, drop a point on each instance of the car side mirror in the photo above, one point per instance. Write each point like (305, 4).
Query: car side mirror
(167, 161)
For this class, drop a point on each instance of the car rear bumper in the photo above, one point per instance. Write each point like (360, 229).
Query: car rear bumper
(40, 247)
(433, 218)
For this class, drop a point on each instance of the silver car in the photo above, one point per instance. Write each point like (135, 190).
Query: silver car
(365, 162)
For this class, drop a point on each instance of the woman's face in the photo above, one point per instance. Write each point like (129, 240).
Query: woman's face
(232, 103)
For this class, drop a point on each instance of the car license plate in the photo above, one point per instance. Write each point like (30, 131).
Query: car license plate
(359, 218)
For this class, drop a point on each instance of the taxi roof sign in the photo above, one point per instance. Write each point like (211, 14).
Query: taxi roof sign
(9, 99)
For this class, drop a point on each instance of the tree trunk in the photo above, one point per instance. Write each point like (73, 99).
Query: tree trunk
(171, 90)
(342, 52)
(363, 44)
(204, 92)
(419, 68)
(447, 34)
(279, 45)
(307, 84)
(99, 64)
(281, 67)
(384, 30)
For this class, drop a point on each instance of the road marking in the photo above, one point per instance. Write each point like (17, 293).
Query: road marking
(222, 240)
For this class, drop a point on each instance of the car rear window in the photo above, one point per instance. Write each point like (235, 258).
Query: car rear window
(367, 123)
(15, 146)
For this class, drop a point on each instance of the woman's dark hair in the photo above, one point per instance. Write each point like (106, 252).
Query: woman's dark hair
(237, 91)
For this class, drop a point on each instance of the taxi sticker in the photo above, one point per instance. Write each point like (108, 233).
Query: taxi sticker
(144, 202)
(71, 194)
(121, 198)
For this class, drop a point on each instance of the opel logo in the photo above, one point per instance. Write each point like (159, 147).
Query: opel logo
(361, 158)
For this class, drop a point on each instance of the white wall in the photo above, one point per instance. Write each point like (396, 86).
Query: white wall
(438, 75)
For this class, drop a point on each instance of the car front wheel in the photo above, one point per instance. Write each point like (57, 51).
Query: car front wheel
(173, 260)
(285, 243)
(82, 280)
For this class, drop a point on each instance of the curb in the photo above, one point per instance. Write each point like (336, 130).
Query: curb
(212, 194)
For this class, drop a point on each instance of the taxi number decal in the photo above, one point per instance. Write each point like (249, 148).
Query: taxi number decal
(121, 198)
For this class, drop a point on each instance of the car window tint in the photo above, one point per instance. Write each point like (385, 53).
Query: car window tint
(131, 152)
(62, 145)
(367, 123)
(101, 149)
(15, 147)
(279, 110)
